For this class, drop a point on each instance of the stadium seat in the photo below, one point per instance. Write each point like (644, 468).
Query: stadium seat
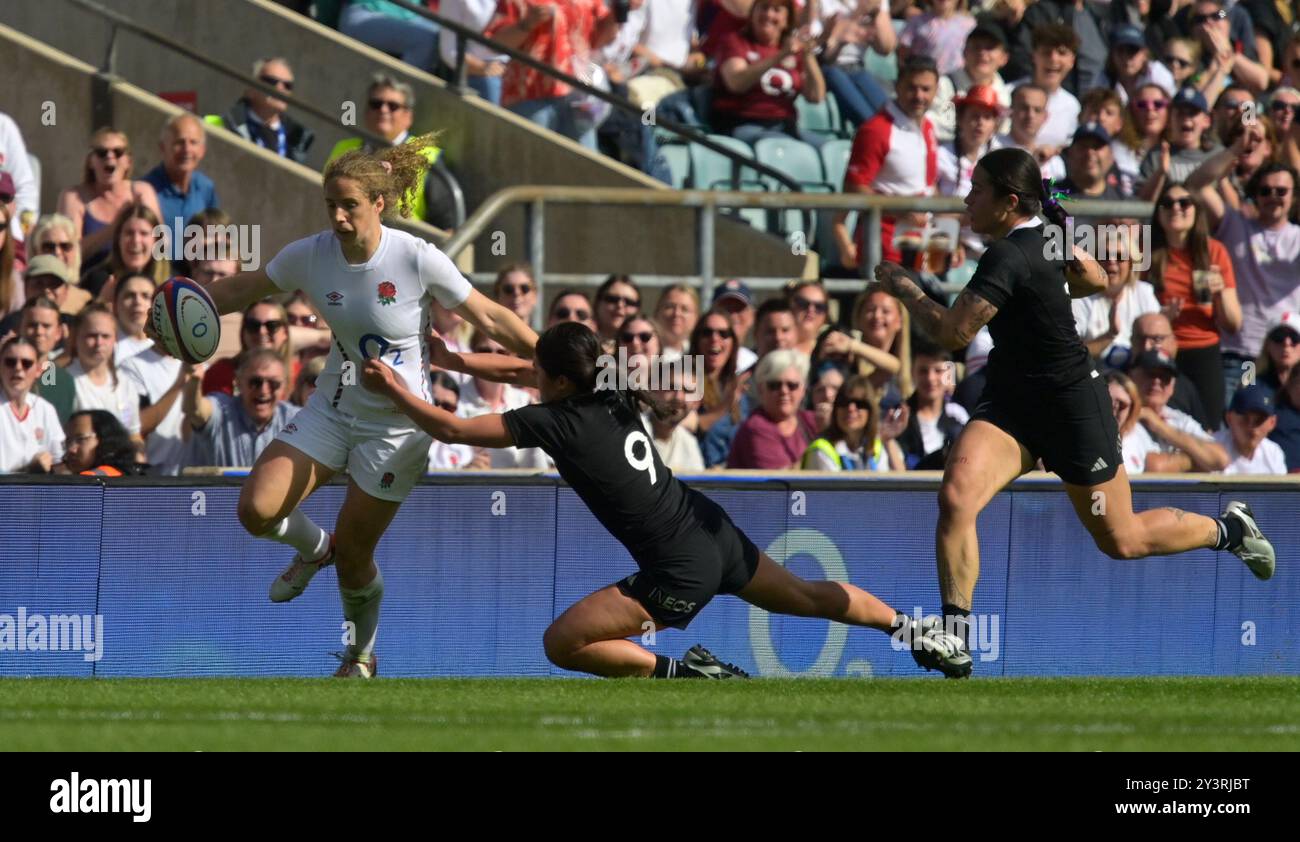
(801, 162)
(678, 157)
(712, 171)
(819, 118)
(835, 160)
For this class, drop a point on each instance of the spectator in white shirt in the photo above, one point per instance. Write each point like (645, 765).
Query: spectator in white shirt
(132, 301)
(1105, 320)
(31, 438)
(94, 372)
(1250, 418)
(1135, 442)
(1055, 49)
(985, 54)
(14, 160)
(677, 447)
(1184, 444)
(1028, 117)
(444, 456)
(479, 397)
(483, 66)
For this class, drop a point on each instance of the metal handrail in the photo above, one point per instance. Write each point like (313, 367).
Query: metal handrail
(707, 203)
(118, 21)
(463, 33)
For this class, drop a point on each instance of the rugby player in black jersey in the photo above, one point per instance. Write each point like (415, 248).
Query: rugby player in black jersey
(1043, 399)
(685, 546)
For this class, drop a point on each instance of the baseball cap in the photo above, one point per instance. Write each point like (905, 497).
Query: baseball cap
(1127, 35)
(48, 264)
(991, 32)
(1253, 398)
(734, 288)
(1286, 321)
(1155, 359)
(1191, 98)
(1093, 129)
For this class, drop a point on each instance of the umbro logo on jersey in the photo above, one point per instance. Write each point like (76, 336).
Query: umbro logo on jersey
(1099, 465)
(335, 298)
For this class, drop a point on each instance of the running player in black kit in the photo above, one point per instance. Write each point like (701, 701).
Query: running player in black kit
(1044, 399)
(685, 545)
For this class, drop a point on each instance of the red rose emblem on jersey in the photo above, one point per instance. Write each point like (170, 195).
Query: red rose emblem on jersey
(387, 293)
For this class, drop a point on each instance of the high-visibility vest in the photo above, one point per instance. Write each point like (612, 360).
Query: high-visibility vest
(827, 449)
(416, 195)
(102, 471)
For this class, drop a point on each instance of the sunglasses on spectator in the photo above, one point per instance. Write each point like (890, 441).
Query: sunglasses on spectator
(644, 337)
(854, 403)
(445, 406)
(1197, 20)
(1175, 61)
(566, 313)
(724, 332)
(82, 439)
(788, 385)
(808, 304)
(610, 298)
(103, 152)
(272, 326)
(277, 82)
(25, 362)
(1151, 104)
(1181, 202)
(1284, 335)
(386, 105)
(1273, 192)
(256, 383)
(520, 289)
(303, 320)
(52, 248)
(1284, 107)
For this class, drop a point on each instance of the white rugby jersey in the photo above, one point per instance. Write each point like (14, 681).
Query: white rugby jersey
(379, 308)
(26, 429)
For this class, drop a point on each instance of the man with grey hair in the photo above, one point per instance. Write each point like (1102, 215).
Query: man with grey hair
(182, 190)
(231, 432)
(389, 109)
(260, 117)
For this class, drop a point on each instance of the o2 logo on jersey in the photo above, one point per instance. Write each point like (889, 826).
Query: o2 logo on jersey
(777, 82)
(644, 463)
(382, 345)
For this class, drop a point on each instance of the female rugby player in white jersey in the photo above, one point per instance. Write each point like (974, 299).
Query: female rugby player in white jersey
(374, 285)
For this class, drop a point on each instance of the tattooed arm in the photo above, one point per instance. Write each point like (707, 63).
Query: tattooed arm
(952, 327)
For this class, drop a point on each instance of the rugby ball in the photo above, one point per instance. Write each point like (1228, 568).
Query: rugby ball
(185, 318)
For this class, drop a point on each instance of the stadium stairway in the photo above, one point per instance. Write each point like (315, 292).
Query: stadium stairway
(488, 147)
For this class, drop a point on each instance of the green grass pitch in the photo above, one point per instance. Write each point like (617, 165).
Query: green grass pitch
(1243, 714)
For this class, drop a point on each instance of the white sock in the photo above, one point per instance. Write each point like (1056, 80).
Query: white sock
(361, 608)
(298, 531)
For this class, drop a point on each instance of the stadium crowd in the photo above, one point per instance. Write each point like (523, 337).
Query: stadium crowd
(1192, 105)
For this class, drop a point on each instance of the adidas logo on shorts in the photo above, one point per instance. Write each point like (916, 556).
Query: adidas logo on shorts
(1099, 465)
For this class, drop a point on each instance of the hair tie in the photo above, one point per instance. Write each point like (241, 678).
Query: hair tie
(1052, 197)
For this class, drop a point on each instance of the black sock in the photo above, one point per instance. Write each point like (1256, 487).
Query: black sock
(1231, 533)
(666, 667)
(957, 621)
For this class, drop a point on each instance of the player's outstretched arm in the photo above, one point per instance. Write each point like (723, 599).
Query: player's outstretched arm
(952, 327)
(235, 292)
(498, 368)
(500, 323)
(484, 431)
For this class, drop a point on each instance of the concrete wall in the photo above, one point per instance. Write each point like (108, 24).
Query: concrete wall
(487, 147)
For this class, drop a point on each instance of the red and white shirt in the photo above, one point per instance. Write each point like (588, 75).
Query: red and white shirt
(27, 428)
(563, 42)
(894, 156)
(774, 95)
